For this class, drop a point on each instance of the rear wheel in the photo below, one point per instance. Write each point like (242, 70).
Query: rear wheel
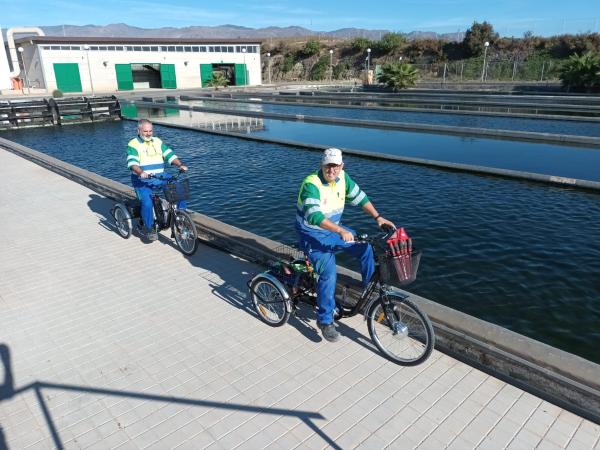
(270, 303)
(184, 230)
(122, 220)
(400, 330)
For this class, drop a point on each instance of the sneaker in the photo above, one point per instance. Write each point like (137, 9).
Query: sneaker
(329, 332)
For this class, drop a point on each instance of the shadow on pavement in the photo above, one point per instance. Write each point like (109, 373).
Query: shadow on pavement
(8, 391)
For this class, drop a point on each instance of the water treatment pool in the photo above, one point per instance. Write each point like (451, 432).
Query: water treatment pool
(522, 255)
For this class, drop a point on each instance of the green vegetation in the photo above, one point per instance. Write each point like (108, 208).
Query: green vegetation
(320, 70)
(398, 76)
(312, 47)
(57, 93)
(218, 80)
(581, 72)
(528, 58)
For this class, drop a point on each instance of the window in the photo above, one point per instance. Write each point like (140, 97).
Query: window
(154, 48)
(103, 48)
(94, 47)
(171, 48)
(129, 48)
(179, 48)
(75, 47)
(230, 49)
(146, 48)
(163, 48)
(203, 48)
(137, 48)
(119, 48)
(111, 48)
(187, 48)
(211, 49)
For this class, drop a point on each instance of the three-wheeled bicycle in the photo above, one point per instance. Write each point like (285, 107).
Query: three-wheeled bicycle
(166, 213)
(399, 329)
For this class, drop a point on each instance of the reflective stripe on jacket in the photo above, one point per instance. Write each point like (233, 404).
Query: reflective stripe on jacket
(149, 155)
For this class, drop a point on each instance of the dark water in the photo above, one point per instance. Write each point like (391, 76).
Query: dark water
(543, 158)
(525, 256)
(455, 120)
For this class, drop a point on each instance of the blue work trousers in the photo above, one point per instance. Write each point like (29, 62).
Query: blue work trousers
(144, 194)
(321, 248)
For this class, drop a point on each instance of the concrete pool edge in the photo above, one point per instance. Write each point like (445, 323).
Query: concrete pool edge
(555, 375)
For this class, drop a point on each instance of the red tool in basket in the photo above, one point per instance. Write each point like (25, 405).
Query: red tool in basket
(400, 247)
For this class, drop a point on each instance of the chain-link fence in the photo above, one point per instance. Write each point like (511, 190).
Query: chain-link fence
(492, 70)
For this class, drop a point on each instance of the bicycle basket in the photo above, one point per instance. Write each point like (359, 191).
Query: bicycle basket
(177, 190)
(399, 270)
(288, 253)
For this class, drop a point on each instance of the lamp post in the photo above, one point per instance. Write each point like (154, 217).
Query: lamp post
(244, 53)
(269, 66)
(330, 65)
(486, 45)
(87, 56)
(24, 69)
(368, 63)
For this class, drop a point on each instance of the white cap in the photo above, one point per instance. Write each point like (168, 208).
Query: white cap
(332, 156)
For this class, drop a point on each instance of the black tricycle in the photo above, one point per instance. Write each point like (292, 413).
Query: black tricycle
(399, 329)
(166, 213)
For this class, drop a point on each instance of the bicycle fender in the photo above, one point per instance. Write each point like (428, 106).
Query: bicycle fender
(125, 210)
(278, 284)
(390, 290)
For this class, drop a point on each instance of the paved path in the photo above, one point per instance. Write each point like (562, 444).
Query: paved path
(112, 343)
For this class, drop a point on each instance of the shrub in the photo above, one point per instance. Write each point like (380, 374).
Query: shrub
(320, 70)
(312, 47)
(398, 75)
(581, 73)
(360, 44)
(57, 93)
(288, 63)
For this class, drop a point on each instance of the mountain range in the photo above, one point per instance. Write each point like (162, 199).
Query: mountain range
(229, 32)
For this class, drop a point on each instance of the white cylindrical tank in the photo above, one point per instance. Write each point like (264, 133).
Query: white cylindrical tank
(5, 82)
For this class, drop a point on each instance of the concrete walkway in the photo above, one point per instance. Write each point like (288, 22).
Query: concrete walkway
(112, 343)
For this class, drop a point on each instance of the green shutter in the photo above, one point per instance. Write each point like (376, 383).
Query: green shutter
(241, 77)
(124, 77)
(167, 76)
(129, 110)
(67, 77)
(206, 73)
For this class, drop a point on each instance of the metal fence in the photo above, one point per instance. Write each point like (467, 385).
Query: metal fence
(494, 70)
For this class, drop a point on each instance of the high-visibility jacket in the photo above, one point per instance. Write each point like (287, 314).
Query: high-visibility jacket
(149, 155)
(319, 199)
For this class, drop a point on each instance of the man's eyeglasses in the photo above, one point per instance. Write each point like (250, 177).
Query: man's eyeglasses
(333, 167)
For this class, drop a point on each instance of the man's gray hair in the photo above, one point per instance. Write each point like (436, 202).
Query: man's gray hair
(143, 122)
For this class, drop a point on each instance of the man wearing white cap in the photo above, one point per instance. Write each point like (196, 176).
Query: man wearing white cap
(319, 211)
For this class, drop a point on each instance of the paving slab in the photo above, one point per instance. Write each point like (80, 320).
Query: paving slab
(113, 343)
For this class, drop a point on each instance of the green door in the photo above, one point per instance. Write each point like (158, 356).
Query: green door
(167, 76)
(241, 77)
(67, 77)
(124, 77)
(206, 73)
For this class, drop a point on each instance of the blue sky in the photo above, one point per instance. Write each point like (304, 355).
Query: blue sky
(509, 17)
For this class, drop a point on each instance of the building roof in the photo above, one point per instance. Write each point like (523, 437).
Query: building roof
(130, 40)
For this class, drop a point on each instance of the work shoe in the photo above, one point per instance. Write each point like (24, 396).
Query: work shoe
(151, 234)
(329, 332)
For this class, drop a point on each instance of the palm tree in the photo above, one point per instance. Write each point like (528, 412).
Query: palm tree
(218, 80)
(581, 72)
(399, 75)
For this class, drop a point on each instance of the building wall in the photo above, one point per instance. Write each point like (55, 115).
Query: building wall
(5, 82)
(103, 73)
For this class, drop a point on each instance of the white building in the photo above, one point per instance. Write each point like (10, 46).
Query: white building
(120, 64)
(4, 70)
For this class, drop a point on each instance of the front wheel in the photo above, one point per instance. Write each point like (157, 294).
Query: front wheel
(184, 230)
(270, 303)
(122, 220)
(400, 330)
